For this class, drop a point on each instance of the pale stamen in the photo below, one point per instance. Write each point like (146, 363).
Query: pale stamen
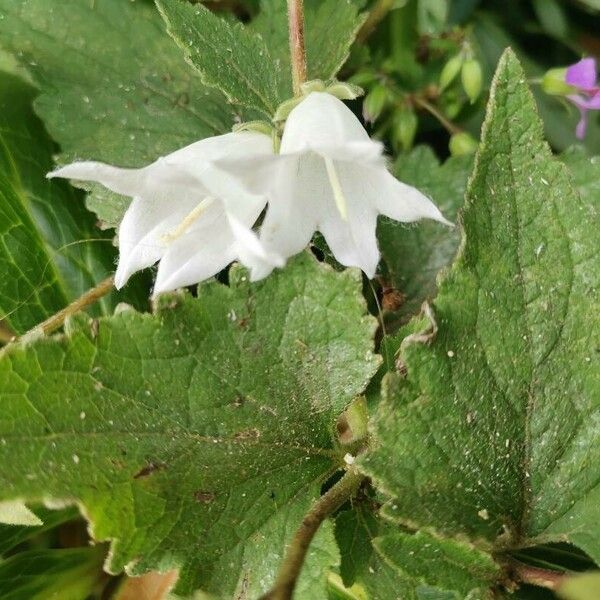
(187, 221)
(336, 187)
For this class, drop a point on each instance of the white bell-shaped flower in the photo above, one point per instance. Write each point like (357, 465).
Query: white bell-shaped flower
(181, 209)
(329, 177)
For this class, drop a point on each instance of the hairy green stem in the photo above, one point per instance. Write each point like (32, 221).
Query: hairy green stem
(376, 15)
(291, 566)
(297, 51)
(57, 320)
(432, 110)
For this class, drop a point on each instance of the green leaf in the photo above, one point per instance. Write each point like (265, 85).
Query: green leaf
(414, 273)
(114, 86)
(194, 436)
(228, 57)
(330, 29)
(399, 564)
(592, 5)
(585, 172)
(265, 553)
(15, 512)
(50, 249)
(552, 17)
(494, 428)
(414, 255)
(41, 574)
(354, 532)
(432, 16)
(449, 567)
(11, 536)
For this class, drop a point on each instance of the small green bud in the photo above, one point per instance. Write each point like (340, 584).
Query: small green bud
(462, 143)
(554, 83)
(405, 128)
(472, 78)
(451, 70)
(375, 102)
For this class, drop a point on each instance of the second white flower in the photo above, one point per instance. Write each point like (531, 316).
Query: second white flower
(329, 177)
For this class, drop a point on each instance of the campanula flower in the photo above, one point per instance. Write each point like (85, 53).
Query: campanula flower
(181, 209)
(330, 177)
(579, 84)
(583, 76)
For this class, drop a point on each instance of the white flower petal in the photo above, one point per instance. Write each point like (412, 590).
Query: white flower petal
(185, 263)
(291, 217)
(203, 163)
(179, 174)
(397, 200)
(252, 253)
(257, 175)
(209, 245)
(158, 180)
(122, 181)
(141, 233)
(324, 124)
(289, 223)
(363, 152)
(232, 146)
(352, 239)
(204, 250)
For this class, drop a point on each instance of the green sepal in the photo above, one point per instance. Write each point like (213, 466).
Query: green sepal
(315, 85)
(340, 89)
(553, 82)
(344, 90)
(285, 108)
(256, 126)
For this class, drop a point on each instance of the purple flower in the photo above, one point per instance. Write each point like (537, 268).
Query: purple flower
(583, 76)
(584, 105)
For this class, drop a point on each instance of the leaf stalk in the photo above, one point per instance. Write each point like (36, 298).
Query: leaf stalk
(297, 50)
(329, 502)
(87, 299)
(450, 127)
